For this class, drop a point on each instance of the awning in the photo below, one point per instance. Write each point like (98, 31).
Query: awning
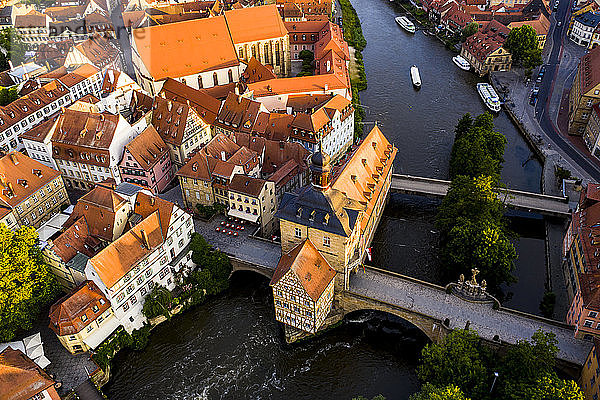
(245, 216)
(35, 351)
(100, 334)
(33, 340)
(42, 362)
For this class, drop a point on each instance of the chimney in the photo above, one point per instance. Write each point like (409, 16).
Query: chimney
(10, 187)
(223, 156)
(13, 158)
(326, 87)
(145, 239)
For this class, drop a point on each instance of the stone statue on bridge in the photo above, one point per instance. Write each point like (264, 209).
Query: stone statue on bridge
(471, 289)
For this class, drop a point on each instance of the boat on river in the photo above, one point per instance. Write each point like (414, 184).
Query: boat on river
(415, 76)
(406, 24)
(461, 63)
(489, 96)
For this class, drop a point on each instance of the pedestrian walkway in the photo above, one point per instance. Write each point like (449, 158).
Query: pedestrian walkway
(88, 391)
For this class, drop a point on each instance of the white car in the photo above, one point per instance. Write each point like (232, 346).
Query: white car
(559, 23)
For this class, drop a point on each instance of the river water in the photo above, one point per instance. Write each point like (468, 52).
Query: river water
(231, 348)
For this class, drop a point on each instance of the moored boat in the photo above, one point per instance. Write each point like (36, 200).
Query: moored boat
(489, 96)
(406, 24)
(461, 63)
(415, 76)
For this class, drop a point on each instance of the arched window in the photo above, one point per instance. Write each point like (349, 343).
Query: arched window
(267, 61)
(277, 56)
(215, 79)
(241, 51)
(230, 75)
(200, 86)
(254, 51)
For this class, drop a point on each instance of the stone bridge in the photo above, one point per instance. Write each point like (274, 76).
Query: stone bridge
(526, 201)
(436, 312)
(241, 265)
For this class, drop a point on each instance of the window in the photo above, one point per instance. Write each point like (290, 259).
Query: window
(149, 273)
(120, 297)
(298, 233)
(125, 306)
(90, 328)
(200, 82)
(215, 79)
(230, 76)
(72, 338)
(588, 323)
(326, 241)
(95, 309)
(593, 314)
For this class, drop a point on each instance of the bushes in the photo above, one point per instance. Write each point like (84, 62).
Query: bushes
(354, 36)
(473, 232)
(307, 58)
(157, 303)
(120, 339)
(212, 275)
(207, 212)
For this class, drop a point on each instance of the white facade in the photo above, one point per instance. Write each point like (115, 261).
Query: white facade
(81, 170)
(119, 99)
(156, 268)
(278, 101)
(341, 135)
(9, 138)
(581, 34)
(41, 150)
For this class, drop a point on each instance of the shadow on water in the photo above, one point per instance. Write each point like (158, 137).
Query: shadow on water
(407, 242)
(231, 348)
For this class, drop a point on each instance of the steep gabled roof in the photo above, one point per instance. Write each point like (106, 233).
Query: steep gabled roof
(118, 258)
(72, 313)
(21, 378)
(147, 148)
(310, 268)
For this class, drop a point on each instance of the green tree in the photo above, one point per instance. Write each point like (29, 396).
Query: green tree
(478, 149)
(430, 392)
(527, 362)
(157, 302)
(547, 304)
(378, 397)
(26, 283)
(469, 30)
(550, 387)
(522, 43)
(11, 48)
(457, 360)
(8, 95)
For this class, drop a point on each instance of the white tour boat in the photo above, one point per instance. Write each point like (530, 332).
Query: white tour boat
(415, 76)
(406, 24)
(489, 96)
(461, 63)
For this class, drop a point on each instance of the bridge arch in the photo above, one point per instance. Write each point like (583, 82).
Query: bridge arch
(433, 329)
(240, 265)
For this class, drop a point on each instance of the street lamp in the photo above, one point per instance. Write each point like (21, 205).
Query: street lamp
(494, 382)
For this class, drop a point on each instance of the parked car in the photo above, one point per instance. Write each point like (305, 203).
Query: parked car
(539, 79)
(532, 99)
(559, 23)
(543, 70)
(536, 90)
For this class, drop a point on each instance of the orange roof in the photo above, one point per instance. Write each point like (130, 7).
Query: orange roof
(78, 309)
(303, 84)
(147, 148)
(311, 269)
(99, 207)
(541, 25)
(146, 204)
(21, 176)
(185, 48)
(359, 178)
(255, 23)
(21, 378)
(116, 260)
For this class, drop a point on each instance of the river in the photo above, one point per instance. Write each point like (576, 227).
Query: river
(231, 348)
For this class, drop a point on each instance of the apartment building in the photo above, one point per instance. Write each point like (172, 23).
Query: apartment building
(83, 318)
(87, 147)
(253, 200)
(149, 254)
(32, 191)
(585, 92)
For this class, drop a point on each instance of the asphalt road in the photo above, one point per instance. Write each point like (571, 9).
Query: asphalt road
(541, 108)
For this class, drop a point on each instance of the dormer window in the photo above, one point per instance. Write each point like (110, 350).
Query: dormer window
(37, 172)
(312, 215)
(22, 182)
(299, 212)
(326, 219)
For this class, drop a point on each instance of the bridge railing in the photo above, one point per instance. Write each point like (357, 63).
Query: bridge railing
(540, 196)
(523, 314)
